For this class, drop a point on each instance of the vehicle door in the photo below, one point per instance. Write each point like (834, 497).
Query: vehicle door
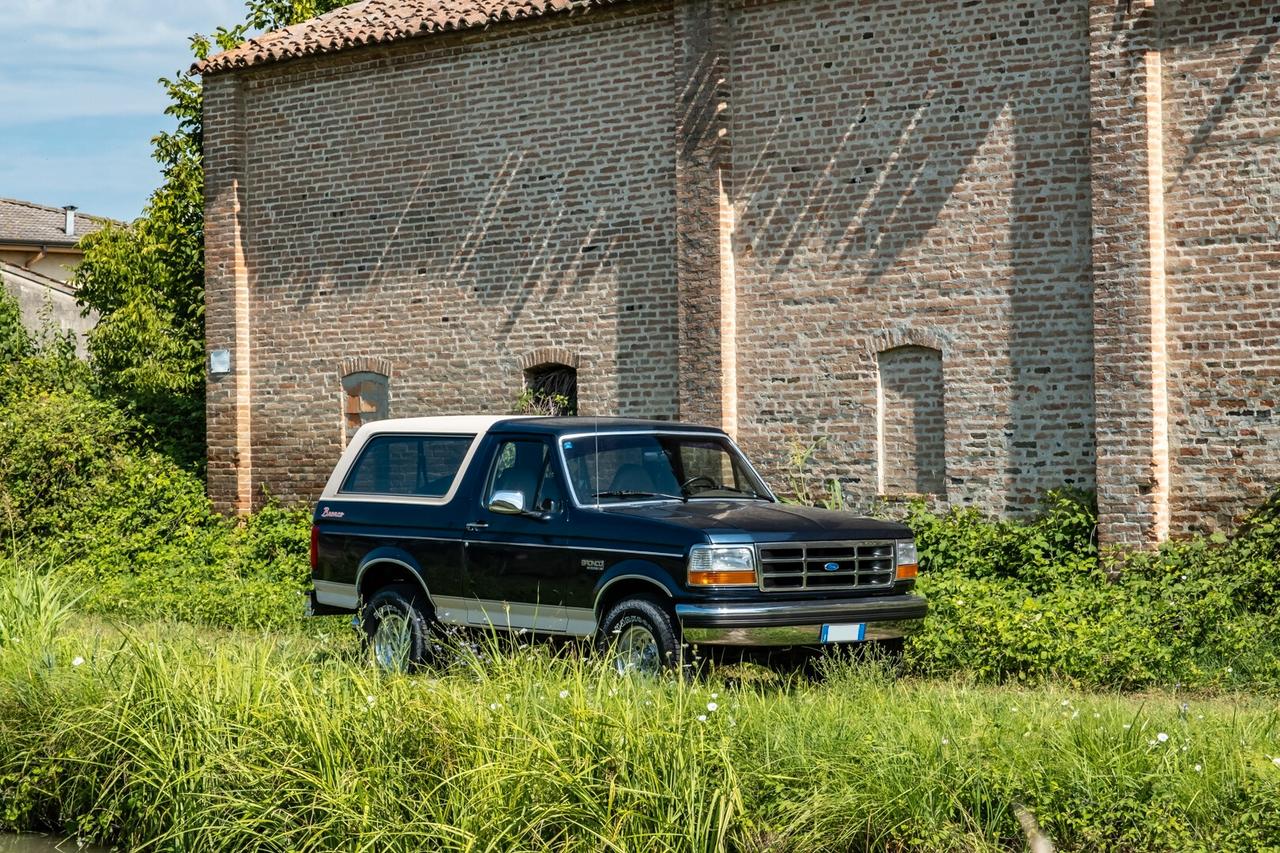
(517, 565)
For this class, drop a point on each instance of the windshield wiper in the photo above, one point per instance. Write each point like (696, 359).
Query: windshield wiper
(627, 493)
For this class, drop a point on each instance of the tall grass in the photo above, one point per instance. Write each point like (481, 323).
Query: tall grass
(169, 738)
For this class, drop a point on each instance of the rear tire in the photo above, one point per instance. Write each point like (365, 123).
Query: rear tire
(399, 629)
(639, 635)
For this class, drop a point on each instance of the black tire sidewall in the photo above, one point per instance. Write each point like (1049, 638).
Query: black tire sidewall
(407, 602)
(650, 614)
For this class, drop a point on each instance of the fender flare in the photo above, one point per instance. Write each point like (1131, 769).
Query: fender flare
(634, 570)
(392, 557)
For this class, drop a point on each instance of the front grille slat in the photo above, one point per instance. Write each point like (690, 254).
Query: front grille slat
(799, 566)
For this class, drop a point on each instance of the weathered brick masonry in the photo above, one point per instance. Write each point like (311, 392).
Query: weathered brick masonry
(984, 248)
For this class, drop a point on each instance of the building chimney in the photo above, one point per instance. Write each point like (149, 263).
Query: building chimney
(70, 226)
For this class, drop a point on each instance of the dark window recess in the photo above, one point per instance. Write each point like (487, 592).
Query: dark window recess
(550, 389)
(423, 465)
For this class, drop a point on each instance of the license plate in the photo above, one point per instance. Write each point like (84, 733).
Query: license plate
(844, 633)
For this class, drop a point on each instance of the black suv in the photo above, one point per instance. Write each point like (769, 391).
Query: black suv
(644, 535)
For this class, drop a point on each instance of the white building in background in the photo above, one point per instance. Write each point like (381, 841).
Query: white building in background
(39, 248)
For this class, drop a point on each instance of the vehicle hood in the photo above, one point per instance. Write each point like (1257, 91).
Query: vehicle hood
(764, 522)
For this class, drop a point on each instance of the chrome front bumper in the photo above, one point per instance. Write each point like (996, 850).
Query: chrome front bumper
(798, 623)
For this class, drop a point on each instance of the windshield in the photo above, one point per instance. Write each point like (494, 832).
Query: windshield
(616, 468)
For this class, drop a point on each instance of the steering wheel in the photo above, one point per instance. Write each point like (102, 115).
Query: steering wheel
(711, 484)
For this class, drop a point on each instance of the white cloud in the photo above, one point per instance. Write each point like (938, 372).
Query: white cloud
(82, 58)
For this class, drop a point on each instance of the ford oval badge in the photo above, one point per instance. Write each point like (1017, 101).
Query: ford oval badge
(831, 567)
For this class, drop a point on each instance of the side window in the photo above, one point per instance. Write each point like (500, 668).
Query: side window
(526, 467)
(422, 465)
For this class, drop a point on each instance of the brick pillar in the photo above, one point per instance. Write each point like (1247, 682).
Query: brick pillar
(702, 38)
(230, 472)
(1130, 381)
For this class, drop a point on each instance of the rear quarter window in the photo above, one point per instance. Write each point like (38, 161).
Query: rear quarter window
(417, 465)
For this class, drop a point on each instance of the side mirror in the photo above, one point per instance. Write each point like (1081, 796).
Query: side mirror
(507, 503)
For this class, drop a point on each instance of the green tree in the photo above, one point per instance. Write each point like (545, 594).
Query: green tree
(15, 342)
(146, 279)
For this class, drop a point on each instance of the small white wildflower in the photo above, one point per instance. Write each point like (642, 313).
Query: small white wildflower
(78, 661)
(702, 718)
(1066, 702)
(945, 741)
(1128, 726)
(506, 697)
(1014, 709)
(715, 695)
(1162, 737)
(711, 706)
(1228, 670)
(1151, 743)
(564, 694)
(1096, 715)
(1184, 747)
(1198, 768)
(493, 706)
(1075, 714)
(370, 699)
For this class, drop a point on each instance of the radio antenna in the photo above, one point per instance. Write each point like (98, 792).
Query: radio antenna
(597, 437)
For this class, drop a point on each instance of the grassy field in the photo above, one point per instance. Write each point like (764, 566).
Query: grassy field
(168, 737)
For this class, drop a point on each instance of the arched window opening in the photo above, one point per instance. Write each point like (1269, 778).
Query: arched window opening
(912, 422)
(365, 397)
(550, 389)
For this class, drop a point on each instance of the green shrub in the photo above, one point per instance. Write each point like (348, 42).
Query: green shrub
(53, 444)
(1035, 601)
(86, 490)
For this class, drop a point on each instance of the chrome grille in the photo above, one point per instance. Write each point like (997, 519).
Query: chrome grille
(796, 566)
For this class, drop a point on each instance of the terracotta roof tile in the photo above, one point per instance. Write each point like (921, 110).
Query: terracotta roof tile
(371, 22)
(35, 224)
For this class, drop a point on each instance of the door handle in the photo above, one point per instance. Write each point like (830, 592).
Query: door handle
(477, 526)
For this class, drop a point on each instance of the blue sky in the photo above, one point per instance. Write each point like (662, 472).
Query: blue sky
(79, 101)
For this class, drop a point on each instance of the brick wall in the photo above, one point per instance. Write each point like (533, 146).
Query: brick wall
(1073, 204)
(1222, 215)
(920, 165)
(432, 206)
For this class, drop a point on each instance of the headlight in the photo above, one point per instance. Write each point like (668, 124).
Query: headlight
(907, 564)
(722, 565)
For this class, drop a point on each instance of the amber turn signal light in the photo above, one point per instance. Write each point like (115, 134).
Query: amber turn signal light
(697, 578)
(907, 571)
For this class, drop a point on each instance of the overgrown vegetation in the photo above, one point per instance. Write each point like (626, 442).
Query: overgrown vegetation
(87, 491)
(1036, 601)
(167, 738)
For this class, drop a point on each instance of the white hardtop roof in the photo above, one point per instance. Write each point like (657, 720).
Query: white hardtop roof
(445, 424)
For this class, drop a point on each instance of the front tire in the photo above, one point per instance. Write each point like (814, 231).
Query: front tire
(639, 635)
(398, 628)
